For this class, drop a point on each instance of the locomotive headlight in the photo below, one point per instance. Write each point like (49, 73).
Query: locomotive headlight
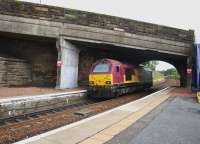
(108, 82)
(91, 82)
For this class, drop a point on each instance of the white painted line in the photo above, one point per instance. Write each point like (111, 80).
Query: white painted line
(40, 97)
(37, 137)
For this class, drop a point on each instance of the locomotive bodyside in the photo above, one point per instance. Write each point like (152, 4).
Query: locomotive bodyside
(110, 78)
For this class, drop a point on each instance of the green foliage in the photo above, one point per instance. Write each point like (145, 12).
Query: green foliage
(172, 73)
(71, 14)
(18, 4)
(157, 76)
(150, 64)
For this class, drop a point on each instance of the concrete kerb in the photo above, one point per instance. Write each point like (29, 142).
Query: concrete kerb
(37, 137)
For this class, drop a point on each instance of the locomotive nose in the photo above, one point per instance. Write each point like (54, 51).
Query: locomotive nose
(91, 82)
(108, 82)
(100, 79)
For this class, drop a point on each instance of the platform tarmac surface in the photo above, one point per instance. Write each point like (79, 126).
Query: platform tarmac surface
(176, 121)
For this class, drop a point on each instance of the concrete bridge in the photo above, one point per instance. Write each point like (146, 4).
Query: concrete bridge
(45, 35)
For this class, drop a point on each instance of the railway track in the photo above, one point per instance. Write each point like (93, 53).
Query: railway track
(20, 127)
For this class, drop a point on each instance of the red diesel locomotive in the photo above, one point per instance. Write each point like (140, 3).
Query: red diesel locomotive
(110, 78)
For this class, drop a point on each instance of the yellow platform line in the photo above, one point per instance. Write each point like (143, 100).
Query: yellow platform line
(108, 133)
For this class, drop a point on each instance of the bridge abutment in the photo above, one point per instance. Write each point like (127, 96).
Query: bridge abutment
(67, 64)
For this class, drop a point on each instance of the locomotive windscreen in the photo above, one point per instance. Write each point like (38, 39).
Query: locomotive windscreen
(101, 68)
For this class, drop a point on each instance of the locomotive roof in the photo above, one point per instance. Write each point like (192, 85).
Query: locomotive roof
(115, 62)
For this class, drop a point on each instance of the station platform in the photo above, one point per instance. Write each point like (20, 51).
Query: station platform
(21, 100)
(11, 92)
(169, 116)
(103, 127)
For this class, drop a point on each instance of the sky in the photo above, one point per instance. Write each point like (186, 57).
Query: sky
(163, 66)
(182, 14)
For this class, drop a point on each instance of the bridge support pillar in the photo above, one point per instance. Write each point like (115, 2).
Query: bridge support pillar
(182, 68)
(189, 73)
(185, 77)
(67, 64)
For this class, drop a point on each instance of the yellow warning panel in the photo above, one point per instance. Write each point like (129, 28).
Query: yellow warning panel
(100, 79)
(198, 97)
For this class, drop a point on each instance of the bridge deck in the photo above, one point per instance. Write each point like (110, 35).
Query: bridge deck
(77, 17)
(30, 19)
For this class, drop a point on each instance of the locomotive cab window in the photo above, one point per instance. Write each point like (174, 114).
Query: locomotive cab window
(117, 68)
(101, 68)
(128, 74)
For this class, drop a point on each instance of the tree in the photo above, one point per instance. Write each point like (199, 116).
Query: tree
(172, 72)
(150, 64)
